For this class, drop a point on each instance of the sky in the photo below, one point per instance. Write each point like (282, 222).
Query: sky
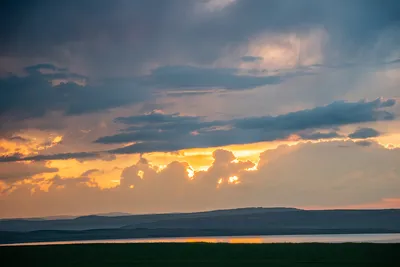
(147, 106)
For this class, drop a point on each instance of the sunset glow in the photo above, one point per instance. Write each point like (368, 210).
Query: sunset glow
(178, 106)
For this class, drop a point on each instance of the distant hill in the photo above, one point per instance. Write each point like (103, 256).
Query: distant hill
(114, 214)
(108, 221)
(66, 217)
(247, 221)
(297, 219)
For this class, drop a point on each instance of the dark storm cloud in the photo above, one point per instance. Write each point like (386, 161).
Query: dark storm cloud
(44, 66)
(157, 126)
(118, 38)
(104, 35)
(152, 137)
(156, 132)
(319, 135)
(364, 133)
(34, 95)
(251, 59)
(335, 114)
(186, 77)
(351, 24)
(156, 118)
(177, 141)
(47, 23)
(139, 136)
(110, 35)
(62, 156)
(52, 72)
(164, 122)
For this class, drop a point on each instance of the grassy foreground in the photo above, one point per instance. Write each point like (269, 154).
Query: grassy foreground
(202, 254)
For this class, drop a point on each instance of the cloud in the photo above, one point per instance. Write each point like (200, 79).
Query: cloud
(352, 27)
(319, 175)
(319, 135)
(15, 171)
(251, 59)
(58, 181)
(18, 139)
(335, 114)
(186, 77)
(89, 172)
(46, 67)
(155, 126)
(156, 117)
(158, 132)
(44, 29)
(122, 65)
(68, 98)
(216, 5)
(364, 143)
(61, 156)
(69, 68)
(248, 130)
(364, 133)
(125, 36)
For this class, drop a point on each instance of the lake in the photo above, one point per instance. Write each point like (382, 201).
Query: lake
(337, 238)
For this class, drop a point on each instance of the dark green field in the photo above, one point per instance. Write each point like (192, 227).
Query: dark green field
(202, 254)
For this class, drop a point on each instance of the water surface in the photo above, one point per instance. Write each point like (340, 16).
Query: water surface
(337, 238)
